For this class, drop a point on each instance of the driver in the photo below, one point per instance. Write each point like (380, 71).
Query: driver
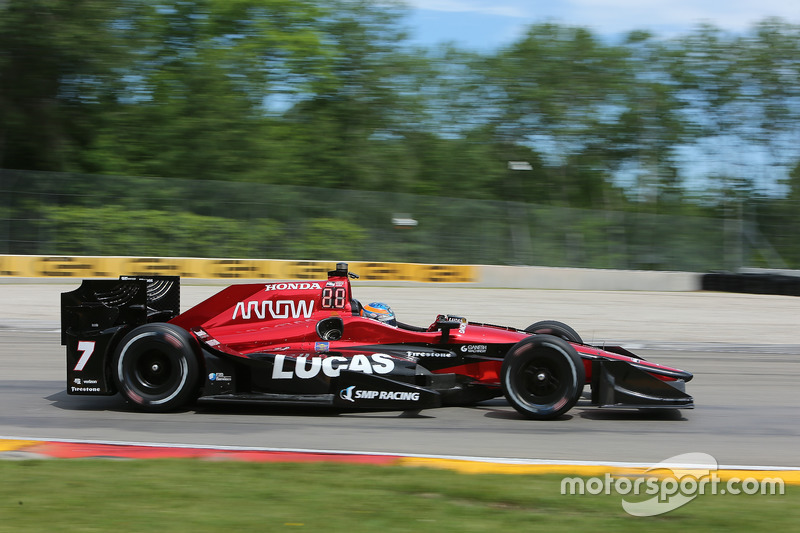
(380, 312)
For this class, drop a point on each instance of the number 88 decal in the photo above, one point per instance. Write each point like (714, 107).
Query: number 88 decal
(334, 298)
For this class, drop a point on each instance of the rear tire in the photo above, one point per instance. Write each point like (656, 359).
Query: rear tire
(555, 328)
(156, 366)
(542, 377)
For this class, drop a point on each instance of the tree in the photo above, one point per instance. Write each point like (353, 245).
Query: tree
(56, 59)
(344, 131)
(560, 91)
(197, 95)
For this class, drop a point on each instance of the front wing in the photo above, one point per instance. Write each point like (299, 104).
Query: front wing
(622, 385)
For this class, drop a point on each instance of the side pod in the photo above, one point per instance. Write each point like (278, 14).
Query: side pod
(619, 384)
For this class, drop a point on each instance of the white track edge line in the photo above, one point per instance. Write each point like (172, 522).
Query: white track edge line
(495, 460)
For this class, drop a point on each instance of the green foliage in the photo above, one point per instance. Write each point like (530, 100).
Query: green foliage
(328, 238)
(116, 230)
(55, 59)
(103, 215)
(327, 93)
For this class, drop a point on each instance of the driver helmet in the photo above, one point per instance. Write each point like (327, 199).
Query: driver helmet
(380, 312)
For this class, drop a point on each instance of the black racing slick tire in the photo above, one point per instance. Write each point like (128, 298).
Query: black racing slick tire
(555, 328)
(156, 367)
(542, 377)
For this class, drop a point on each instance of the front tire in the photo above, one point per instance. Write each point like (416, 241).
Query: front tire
(542, 377)
(156, 367)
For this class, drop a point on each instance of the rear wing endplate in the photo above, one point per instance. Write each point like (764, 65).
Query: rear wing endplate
(98, 313)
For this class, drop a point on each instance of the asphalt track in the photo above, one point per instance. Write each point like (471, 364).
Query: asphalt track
(743, 349)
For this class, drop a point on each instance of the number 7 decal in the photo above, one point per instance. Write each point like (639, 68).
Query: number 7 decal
(87, 347)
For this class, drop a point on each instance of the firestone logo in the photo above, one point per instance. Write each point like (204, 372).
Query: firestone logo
(429, 354)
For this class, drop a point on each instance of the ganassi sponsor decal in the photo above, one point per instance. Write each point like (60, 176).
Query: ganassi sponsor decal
(474, 348)
(292, 286)
(274, 309)
(352, 394)
(308, 367)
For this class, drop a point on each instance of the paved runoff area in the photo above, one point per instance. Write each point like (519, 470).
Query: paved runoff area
(599, 316)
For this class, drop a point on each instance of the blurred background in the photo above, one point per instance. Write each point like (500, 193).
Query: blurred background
(329, 129)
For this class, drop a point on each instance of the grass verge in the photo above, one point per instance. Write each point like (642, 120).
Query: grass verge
(192, 495)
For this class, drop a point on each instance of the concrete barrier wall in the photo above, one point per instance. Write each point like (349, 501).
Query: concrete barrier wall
(532, 277)
(520, 277)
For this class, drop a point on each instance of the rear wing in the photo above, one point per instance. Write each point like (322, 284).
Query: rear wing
(100, 304)
(96, 315)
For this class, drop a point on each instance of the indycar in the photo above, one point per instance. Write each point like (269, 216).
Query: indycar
(311, 343)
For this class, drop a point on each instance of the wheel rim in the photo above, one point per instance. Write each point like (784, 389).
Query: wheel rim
(153, 372)
(542, 381)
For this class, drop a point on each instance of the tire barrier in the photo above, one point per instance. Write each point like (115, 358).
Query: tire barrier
(31, 266)
(752, 283)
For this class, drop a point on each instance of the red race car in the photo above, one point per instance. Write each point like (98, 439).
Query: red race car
(313, 343)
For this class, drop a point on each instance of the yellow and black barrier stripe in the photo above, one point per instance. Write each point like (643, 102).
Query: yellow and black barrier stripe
(39, 266)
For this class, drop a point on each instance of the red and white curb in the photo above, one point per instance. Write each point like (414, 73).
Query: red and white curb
(16, 448)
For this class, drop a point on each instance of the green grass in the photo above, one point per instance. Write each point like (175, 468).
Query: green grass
(196, 496)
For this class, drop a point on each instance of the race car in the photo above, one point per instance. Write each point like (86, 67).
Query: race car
(313, 343)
